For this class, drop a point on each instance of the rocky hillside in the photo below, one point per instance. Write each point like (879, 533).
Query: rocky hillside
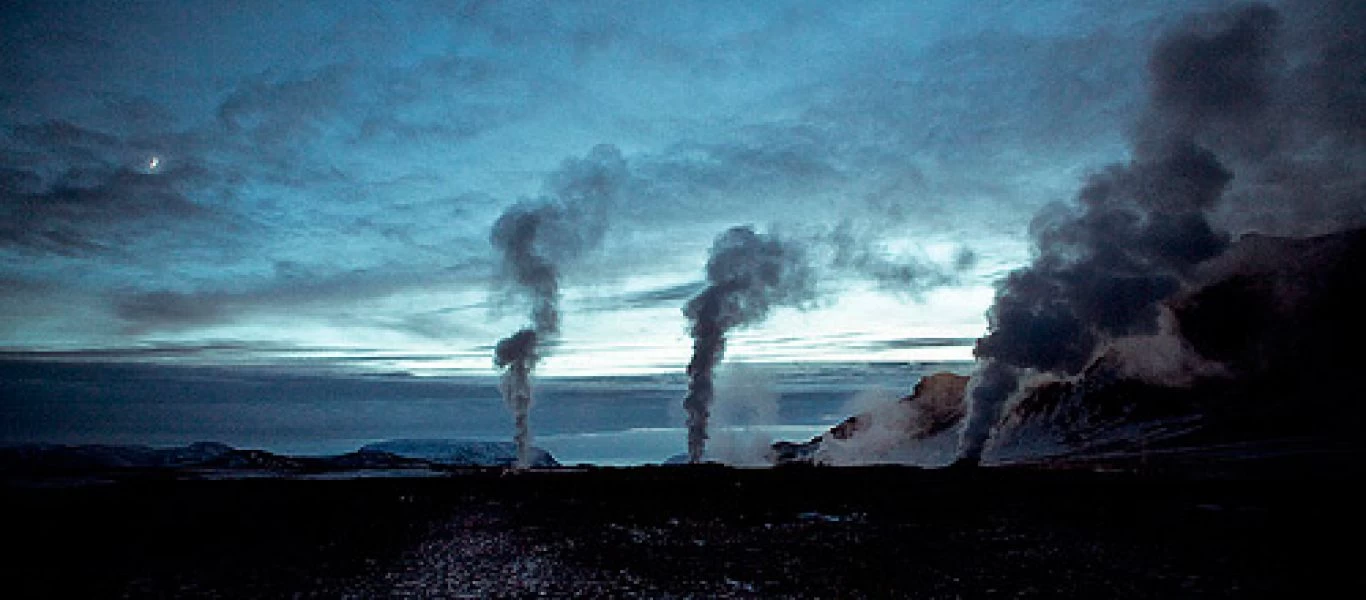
(917, 429)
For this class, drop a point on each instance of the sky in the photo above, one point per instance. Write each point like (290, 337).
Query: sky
(317, 183)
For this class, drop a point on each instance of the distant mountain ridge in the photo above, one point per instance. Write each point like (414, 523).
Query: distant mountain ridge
(411, 455)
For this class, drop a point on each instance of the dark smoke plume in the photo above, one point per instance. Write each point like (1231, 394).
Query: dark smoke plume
(748, 274)
(1224, 99)
(533, 238)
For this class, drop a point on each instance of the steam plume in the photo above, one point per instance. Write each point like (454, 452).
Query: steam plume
(532, 239)
(1221, 101)
(746, 401)
(748, 274)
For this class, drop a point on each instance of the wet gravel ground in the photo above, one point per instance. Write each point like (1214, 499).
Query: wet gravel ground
(688, 532)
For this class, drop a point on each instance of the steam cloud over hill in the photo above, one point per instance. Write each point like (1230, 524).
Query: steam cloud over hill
(1156, 305)
(1234, 123)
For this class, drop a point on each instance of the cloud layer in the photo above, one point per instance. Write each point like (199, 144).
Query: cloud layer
(326, 174)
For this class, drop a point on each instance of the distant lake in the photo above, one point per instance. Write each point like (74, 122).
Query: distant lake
(601, 420)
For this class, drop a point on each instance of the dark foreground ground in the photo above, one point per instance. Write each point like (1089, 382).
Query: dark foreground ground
(689, 532)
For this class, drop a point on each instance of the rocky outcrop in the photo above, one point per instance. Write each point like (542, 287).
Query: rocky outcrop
(935, 405)
(917, 429)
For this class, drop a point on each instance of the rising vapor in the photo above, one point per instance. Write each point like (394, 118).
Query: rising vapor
(533, 238)
(1226, 96)
(748, 274)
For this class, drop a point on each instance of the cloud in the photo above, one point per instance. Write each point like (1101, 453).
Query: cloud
(911, 343)
(96, 200)
(223, 352)
(149, 351)
(668, 295)
(1276, 91)
(352, 141)
(857, 251)
(1138, 231)
(291, 290)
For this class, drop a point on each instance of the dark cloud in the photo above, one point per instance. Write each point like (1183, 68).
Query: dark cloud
(1329, 83)
(1259, 85)
(158, 351)
(669, 295)
(86, 212)
(71, 190)
(1223, 73)
(443, 324)
(741, 175)
(172, 309)
(965, 259)
(274, 112)
(1213, 79)
(792, 155)
(59, 136)
(1101, 268)
(1280, 98)
(910, 343)
(260, 357)
(442, 99)
(292, 289)
(856, 250)
(1138, 230)
(980, 97)
(665, 295)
